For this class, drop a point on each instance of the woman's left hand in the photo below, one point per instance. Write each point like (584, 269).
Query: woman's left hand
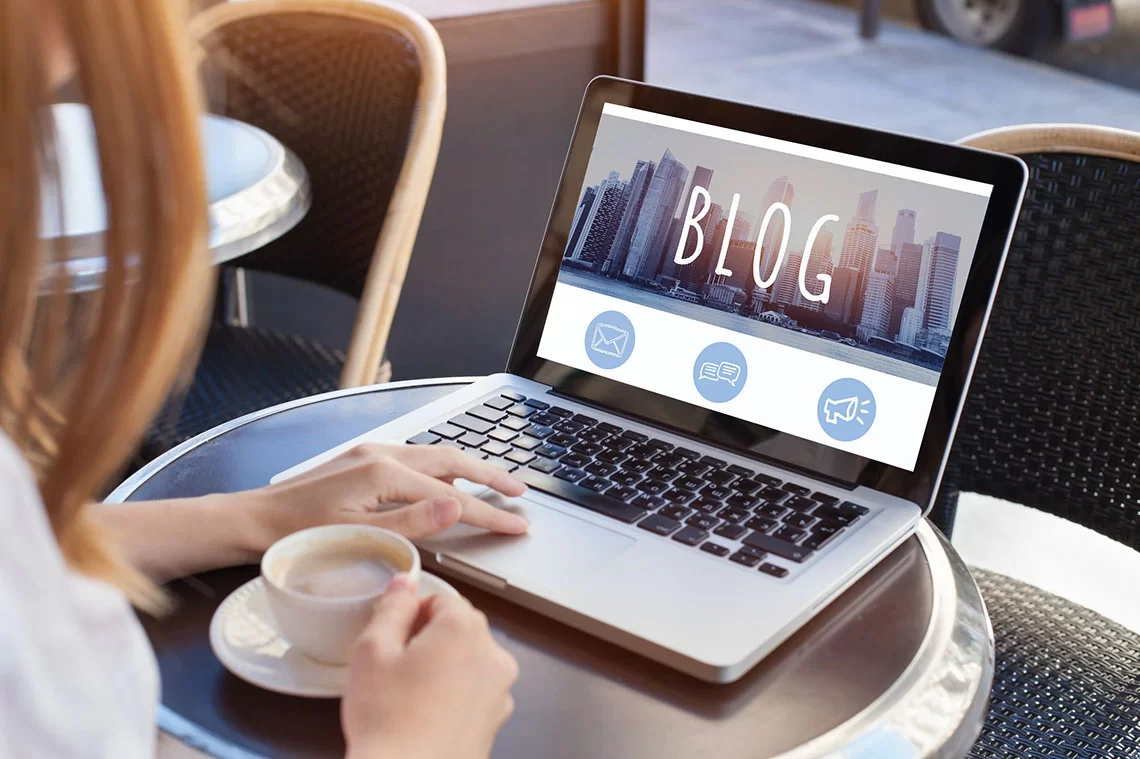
(405, 488)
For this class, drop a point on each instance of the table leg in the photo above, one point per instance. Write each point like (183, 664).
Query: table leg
(869, 19)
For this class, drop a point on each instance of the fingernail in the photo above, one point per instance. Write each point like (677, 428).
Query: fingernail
(401, 582)
(445, 510)
(522, 521)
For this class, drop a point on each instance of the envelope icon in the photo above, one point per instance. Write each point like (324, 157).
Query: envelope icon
(609, 340)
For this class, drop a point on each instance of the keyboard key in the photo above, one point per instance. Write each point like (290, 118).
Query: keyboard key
(584, 420)
(558, 411)
(502, 435)
(773, 510)
(713, 461)
(472, 440)
(447, 431)
(546, 466)
(715, 492)
(575, 460)
(521, 457)
(767, 479)
(827, 528)
(471, 424)
(660, 445)
(750, 486)
(550, 451)
(642, 451)
(611, 456)
(703, 521)
(570, 474)
(593, 482)
(601, 469)
(772, 569)
(503, 464)
(668, 459)
(847, 507)
(733, 514)
(746, 559)
(536, 404)
(474, 452)
(678, 496)
(545, 419)
(538, 431)
(516, 424)
(637, 437)
(775, 495)
(800, 503)
(608, 428)
(652, 487)
(741, 501)
(720, 477)
(790, 534)
(695, 468)
(824, 498)
(740, 471)
(486, 414)
(795, 489)
(675, 512)
(754, 552)
(647, 501)
(817, 540)
(569, 426)
(687, 453)
(619, 443)
(516, 397)
(801, 521)
(760, 524)
(562, 439)
(706, 505)
(495, 448)
(715, 549)
(588, 499)
(772, 544)
(622, 492)
(641, 466)
(659, 525)
(832, 514)
(730, 531)
(663, 473)
(502, 403)
(625, 477)
(689, 483)
(690, 536)
(424, 438)
(527, 443)
(593, 434)
(586, 448)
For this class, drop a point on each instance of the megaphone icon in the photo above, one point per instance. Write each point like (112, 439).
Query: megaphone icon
(843, 409)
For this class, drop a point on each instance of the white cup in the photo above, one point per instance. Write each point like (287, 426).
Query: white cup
(325, 627)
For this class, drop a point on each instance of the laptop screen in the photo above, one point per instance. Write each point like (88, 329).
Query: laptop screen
(803, 289)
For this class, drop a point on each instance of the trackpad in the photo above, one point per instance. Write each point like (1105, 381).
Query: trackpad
(558, 549)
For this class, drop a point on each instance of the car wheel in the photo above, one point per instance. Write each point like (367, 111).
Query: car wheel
(1015, 26)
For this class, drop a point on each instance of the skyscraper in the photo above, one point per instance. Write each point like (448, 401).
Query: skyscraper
(788, 283)
(669, 266)
(938, 313)
(657, 212)
(818, 263)
(923, 275)
(904, 228)
(638, 185)
(579, 223)
(602, 221)
(860, 241)
(702, 177)
(909, 326)
(742, 227)
(846, 285)
(876, 306)
(886, 261)
(694, 275)
(867, 202)
(906, 287)
(780, 191)
(739, 262)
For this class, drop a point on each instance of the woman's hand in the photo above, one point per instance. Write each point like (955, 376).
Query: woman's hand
(404, 488)
(426, 680)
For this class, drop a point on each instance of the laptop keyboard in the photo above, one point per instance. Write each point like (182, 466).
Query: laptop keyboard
(726, 510)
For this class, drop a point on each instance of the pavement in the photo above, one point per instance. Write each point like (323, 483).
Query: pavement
(807, 57)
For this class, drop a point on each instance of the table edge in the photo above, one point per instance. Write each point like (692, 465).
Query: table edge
(951, 674)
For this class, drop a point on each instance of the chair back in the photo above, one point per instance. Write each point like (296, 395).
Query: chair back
(357, 91)
(1052, 419)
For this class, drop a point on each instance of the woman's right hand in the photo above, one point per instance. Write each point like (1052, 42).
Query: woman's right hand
(426, 680)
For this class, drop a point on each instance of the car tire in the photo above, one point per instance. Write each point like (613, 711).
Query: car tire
(1022, 27)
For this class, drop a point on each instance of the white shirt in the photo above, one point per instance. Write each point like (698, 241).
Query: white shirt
(78, 679)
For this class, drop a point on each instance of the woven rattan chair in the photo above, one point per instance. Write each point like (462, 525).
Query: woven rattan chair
(1052, 421)
(357, 90)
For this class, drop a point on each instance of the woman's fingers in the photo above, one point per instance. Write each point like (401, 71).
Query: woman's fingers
(407, 485)
(451, 463)
(393, 619)
(420, 519)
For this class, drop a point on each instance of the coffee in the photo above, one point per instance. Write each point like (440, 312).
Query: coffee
(343, 569)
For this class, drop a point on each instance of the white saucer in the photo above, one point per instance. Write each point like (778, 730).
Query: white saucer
(245, 639)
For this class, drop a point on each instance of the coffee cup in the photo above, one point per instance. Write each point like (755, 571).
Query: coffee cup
(322, 584)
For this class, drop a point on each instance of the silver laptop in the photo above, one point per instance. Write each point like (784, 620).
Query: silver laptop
(736, 376)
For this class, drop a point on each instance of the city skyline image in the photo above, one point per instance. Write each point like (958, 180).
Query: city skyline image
(896, 250)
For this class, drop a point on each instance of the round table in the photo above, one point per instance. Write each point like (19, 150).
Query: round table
(258, 191)
(899, 666)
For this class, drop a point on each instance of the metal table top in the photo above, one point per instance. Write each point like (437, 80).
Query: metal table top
(898, 667)
(258, 191)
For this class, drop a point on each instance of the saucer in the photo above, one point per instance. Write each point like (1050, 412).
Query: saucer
(244, 637)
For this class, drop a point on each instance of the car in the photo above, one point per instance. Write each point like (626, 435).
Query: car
(1018, 26)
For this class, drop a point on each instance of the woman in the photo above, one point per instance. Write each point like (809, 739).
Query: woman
(78, 386)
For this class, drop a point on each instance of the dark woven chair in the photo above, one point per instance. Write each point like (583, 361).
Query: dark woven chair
(357, 91)
(1052, 422)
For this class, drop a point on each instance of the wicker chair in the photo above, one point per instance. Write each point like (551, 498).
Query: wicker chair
(1052, 421)
(357, 91)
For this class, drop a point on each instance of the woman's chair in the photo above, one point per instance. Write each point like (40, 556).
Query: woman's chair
(1052, 421)
(357, 91)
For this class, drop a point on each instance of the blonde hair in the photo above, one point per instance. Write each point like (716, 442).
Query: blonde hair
(81, 378)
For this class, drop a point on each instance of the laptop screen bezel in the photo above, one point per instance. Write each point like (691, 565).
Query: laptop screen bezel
(1006, 174)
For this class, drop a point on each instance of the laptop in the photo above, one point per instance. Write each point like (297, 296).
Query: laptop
(736, 376)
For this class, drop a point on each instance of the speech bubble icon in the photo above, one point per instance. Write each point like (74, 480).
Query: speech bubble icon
(709, 371)
(730, 373)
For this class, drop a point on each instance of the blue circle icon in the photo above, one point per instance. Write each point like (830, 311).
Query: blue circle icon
(720, 372)
(610, 339)
(846, 409)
